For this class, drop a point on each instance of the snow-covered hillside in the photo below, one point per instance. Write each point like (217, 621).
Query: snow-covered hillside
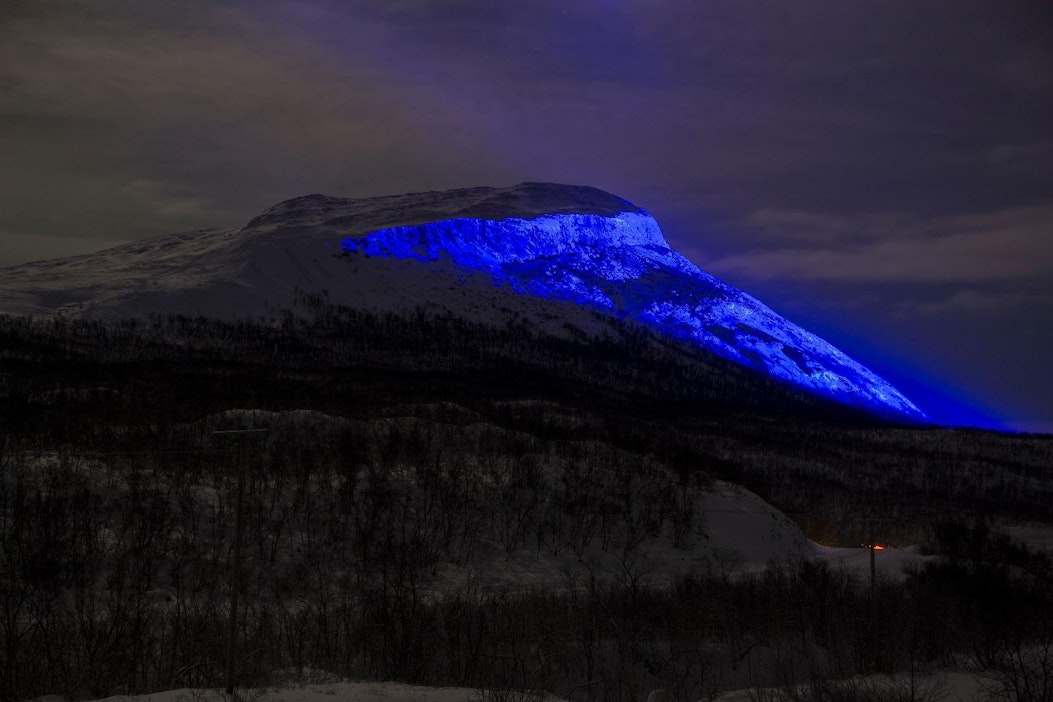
(540, 250)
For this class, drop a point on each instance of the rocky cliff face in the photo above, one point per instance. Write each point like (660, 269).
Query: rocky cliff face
(457, 251)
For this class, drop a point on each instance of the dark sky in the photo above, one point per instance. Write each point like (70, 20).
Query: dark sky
(880, 172)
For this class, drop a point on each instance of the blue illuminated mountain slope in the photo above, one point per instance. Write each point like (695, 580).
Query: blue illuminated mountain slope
(545, 251)
(619, 262)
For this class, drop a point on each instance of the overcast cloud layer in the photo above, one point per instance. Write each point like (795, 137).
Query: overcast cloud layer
(881, 172)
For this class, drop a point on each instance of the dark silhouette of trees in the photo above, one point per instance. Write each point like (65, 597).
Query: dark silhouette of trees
(408, 457)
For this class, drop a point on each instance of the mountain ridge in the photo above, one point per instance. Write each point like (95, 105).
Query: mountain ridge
(525, 200)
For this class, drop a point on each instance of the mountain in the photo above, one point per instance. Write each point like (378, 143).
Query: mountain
(554, 254)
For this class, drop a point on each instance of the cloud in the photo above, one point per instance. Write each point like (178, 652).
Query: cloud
(1028, 158)
(1029, 70)
(975, 303)
(242, 73)
(164, 200)
(1010, 244)
(228, 92)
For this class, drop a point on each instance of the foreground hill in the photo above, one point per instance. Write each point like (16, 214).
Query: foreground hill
(549, 253)
(496, 509)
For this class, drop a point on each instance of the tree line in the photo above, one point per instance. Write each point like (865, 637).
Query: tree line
(403, 448)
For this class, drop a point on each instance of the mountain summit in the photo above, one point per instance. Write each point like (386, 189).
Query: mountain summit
(539, 250)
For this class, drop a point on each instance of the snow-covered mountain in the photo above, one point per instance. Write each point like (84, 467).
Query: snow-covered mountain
(548, 252)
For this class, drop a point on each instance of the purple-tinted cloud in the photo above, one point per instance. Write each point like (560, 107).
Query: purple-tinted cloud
(1007, 245)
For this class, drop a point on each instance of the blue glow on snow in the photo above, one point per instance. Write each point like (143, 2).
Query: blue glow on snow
(623, 266)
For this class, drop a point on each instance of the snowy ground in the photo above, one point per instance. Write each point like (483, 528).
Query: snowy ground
(1036, 536)
(888, 563)
(321, 692)
(947, 686)
(740, 525)
(739, 531)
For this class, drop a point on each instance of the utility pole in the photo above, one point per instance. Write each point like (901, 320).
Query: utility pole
(873, 567)
(235, 566)
(869, 528)
(872, 546)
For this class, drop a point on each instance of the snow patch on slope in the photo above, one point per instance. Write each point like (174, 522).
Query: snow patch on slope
(735, 530)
